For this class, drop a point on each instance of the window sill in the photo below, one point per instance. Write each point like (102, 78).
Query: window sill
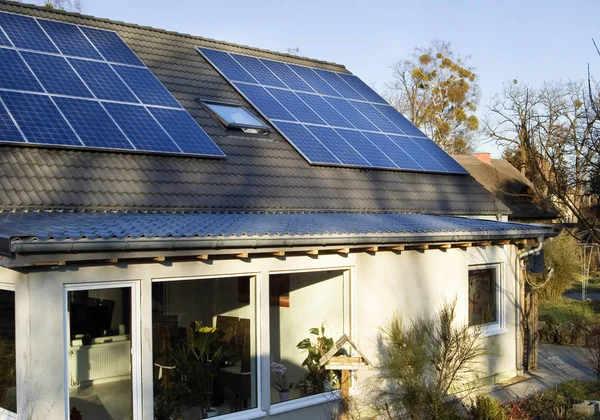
(251, 414)
(304, 402)
(492, 330)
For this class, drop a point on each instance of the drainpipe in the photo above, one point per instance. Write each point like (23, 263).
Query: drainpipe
(518, 338)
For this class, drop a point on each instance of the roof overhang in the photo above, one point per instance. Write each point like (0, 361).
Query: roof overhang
(45, 236)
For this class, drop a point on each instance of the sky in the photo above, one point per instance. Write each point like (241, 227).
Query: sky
(529, 40)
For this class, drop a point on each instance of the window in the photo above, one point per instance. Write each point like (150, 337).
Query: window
(203, 335)
(8, 378)
(307, 311)
(485, 298)
(234, 116)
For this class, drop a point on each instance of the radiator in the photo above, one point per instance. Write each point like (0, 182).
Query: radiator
(100, 362)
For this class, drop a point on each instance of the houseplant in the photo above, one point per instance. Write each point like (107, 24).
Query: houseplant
(198, 360)
(280, 382)
(316, 347)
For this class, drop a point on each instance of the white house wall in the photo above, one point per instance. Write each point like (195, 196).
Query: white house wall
(379, 284)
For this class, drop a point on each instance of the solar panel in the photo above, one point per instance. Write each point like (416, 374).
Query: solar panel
(93, 124)
(8, 129)
(330, 117)
(56, 75)
(14, 73)
(69, 39)
(24, 32)
(68, 85)
(111, 46)
(39, 119)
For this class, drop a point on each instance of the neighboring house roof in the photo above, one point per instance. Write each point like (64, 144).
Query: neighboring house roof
(35, 232)
(510, 186)
(260, 173)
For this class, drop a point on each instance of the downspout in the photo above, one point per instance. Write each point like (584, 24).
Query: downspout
(518, 337)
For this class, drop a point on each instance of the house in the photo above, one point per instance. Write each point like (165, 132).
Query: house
(509, 186)
(152, 262)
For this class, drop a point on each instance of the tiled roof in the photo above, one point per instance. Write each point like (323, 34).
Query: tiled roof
(260, 173)
(510, 186)
(61, 226)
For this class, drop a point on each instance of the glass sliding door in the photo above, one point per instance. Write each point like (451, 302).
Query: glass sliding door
(102, 339)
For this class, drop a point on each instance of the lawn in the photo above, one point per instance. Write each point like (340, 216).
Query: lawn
(567, 311)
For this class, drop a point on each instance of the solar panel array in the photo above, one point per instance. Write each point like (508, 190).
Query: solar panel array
(331, 118)
(68, 85)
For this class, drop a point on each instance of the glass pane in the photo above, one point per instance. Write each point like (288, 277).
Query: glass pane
(306, 313)
(235, 115)
(8, 378)
(204, 347)
(100, 353)
(482, 296)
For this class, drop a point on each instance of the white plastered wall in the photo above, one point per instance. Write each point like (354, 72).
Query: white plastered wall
(408, 283)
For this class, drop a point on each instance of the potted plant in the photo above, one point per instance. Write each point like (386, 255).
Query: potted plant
(320, 378)
(280, 382)
(198, 360)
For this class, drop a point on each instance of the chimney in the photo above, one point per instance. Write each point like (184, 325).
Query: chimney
(484, 157)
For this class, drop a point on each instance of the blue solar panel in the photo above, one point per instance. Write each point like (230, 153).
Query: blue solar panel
(362, 88)
(103, 81)
(14, 73)
(331, 117)
(56, 75)
(324, 110)
(92, 123)
(39, 119)
(87, 67)
(376, 117)
(25, 32)
(298, 108)
(111, 46)
(141, 128)
(439, 155)
(393, 151)
(8, 129)
(291, 79)
(339, 85)
(338, 146)
(351, 114)
(417, 153)
(399, 121)
(367, 149)
(306, 143)
(186, 132)
(257, 69)
(146, 86)
(314, 80)
(264, 102)
(227, 65)
(69, 39)
(3, 39)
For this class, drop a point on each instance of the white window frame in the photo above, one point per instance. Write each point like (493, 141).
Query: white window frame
(4, 413)
(498, 327)
(136, 351)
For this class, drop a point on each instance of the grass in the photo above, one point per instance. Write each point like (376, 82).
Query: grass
(593, 286)
(567, 311)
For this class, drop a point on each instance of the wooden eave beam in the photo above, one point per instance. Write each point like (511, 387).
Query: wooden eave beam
(279, 254)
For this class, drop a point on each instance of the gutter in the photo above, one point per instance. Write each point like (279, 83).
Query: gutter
(36, 246)
(518, 337)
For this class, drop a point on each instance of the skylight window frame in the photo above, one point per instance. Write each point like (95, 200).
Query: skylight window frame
(246, 128)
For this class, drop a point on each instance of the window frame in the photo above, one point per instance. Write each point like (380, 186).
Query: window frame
(498, 326)
(5, 413)
(252, 129)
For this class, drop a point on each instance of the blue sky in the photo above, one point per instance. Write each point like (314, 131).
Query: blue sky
(528, 40)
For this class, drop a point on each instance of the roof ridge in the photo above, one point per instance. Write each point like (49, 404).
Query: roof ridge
(166, 31)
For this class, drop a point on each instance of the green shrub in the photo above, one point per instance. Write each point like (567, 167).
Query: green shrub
(561, 254)
(487, 408)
